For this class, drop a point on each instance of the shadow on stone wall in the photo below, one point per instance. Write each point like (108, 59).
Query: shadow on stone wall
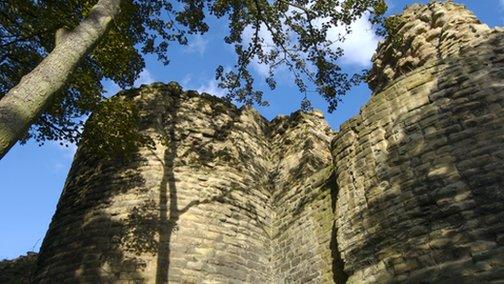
(439, 217)
(18, 270)
(338, 272)
(80, 244)
(169, 212)
(205, 152)
(91, 241)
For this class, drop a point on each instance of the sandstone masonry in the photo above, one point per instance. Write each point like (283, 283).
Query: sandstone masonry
(410, 190)
(222, 199)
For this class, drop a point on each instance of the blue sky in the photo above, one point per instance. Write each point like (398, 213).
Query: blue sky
(32, 177)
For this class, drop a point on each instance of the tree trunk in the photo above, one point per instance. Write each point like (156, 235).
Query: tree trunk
(28, 100)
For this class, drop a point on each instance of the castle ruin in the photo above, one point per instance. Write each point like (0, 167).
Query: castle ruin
(410, 190)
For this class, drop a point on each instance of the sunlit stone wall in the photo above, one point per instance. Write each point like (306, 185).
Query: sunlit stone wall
(421, 169)
(218, 199)
(409, 190)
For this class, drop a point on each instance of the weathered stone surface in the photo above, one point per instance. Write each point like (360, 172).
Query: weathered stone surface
(425, 34)
(410, 190)
(225, 196)
(18, 270)
(421, 170)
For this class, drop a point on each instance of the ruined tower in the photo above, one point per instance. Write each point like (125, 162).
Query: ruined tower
(411, 189)
(420, 170)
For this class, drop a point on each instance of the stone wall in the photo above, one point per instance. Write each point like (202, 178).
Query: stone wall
(410, 190)
(422, 34)
(18, 270)
(303, 214)
(421, 169)
(211, 202)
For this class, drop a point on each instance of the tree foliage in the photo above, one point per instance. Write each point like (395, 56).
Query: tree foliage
(296, 38)
(288, 33)
(113, 129)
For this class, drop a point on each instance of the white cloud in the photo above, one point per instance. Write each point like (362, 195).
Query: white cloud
(197, 45)
(144, 78)
(111, 88)
(267, 44)
(390, 4)
(260, 68)
(501, 6)
(359, 45)
(186, 81)
(211, 87)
